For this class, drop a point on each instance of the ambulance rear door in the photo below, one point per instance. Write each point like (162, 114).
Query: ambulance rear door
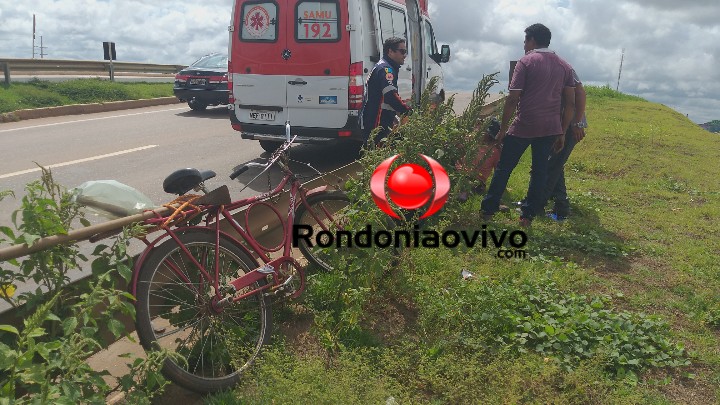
(318, 63)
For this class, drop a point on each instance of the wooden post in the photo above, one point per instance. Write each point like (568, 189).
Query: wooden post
(6, 72)
(15, 251)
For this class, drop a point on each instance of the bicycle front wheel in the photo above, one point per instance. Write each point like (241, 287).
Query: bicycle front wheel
(323, 212)
(174, 312)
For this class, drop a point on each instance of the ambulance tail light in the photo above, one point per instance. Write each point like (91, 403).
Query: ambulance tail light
(231, 97)
(356, 86)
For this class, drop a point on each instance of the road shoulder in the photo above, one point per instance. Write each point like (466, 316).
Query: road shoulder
(78, 109)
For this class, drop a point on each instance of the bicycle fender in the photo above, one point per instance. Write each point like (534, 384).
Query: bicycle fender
(143, 256)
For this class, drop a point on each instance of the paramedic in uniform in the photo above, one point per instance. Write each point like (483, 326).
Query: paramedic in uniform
(381, 101)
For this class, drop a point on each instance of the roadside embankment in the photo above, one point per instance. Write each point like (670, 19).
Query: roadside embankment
(77, 109)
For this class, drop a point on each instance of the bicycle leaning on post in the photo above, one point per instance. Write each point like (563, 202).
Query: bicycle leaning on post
(206, 294)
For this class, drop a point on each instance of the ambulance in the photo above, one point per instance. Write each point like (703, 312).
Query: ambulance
(306, 62)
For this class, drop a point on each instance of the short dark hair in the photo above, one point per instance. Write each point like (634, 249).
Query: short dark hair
(392, 43)
(540, 33)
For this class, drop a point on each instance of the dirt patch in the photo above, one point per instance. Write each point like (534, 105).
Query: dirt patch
(297, 333)
(676, 385)
(639, 276)
(390, 319)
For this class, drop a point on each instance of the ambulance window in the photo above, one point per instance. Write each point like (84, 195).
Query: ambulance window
(392, 23)
(259, 21)
(317, 21)
(430, 45)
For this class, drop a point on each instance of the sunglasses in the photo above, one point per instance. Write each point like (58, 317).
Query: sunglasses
(402, 51)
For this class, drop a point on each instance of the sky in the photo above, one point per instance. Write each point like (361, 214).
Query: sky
(671, 47)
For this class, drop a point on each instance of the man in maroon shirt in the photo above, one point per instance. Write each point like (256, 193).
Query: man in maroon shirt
(542, 90)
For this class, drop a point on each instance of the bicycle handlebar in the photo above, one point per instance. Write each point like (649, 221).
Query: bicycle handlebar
(275, 158)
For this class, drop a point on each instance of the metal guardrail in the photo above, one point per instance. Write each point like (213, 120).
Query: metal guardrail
(33, 66)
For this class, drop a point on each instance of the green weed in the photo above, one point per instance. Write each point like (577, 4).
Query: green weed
(42, 93)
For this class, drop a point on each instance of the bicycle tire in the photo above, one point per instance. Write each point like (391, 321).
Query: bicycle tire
(235, 336)
(332, 201)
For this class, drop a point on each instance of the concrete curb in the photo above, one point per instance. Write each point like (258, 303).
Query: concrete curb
(77, 109)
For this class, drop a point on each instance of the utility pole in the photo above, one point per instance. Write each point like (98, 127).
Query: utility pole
(42, 48)
(33, 36)
(622, 57)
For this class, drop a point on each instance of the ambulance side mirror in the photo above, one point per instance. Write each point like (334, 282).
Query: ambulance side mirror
(445, 54)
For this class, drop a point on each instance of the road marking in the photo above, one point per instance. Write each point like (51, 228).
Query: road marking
(37, 169)
(90, 119)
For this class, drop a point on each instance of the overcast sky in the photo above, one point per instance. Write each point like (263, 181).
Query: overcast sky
(671, 46)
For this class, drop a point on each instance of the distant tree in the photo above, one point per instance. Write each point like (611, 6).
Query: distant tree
(712, 126)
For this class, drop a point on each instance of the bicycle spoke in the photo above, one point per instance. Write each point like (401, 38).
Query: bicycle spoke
(178, 315)
(323, 212)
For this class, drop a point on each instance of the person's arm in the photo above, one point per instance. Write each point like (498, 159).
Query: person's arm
(511, 102)
(568, 108)
(580, 100)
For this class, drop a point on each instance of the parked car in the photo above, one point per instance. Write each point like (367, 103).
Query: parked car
(307, 61)
(203, 83)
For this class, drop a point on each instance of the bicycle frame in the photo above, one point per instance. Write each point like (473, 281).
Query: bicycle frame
(212, 221)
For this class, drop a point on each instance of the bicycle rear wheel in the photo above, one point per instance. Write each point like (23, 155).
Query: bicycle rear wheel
(175, 314)
(324, 212)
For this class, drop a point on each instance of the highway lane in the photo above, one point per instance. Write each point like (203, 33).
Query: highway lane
(138, 147)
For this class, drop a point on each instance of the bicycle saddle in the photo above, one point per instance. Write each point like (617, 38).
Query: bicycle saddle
(181, 181)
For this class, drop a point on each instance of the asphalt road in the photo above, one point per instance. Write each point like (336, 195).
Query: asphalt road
(140, 147)
(137, 147)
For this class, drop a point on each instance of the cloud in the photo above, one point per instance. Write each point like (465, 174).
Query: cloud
(670, 47)
(157, 32)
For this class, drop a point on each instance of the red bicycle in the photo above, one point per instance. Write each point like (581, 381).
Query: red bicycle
(205, 293)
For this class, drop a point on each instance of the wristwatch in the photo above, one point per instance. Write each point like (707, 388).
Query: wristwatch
(580, 125)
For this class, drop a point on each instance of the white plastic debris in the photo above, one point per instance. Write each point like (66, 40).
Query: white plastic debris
(111, 198)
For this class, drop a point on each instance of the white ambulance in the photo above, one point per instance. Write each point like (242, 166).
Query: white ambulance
(306, 62)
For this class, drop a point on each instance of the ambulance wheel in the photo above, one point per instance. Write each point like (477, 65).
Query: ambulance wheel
(269, 146)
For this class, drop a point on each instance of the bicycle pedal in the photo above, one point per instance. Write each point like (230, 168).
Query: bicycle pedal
(285, 288)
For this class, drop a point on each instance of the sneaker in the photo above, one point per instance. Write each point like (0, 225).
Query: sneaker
(553, 216)
(525, 222)
(486, 217)
(504, 208)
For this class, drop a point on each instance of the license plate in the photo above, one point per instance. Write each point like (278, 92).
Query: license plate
(198, 82)
(262, 115)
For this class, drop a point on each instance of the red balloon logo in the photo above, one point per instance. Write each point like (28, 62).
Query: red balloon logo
(410, 186)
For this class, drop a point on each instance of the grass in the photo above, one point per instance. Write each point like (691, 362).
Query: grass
(620, 304)
(40, 93)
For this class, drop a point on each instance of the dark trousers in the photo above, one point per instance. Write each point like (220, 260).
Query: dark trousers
(555, 188)
(384, 132)
(512, 150)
